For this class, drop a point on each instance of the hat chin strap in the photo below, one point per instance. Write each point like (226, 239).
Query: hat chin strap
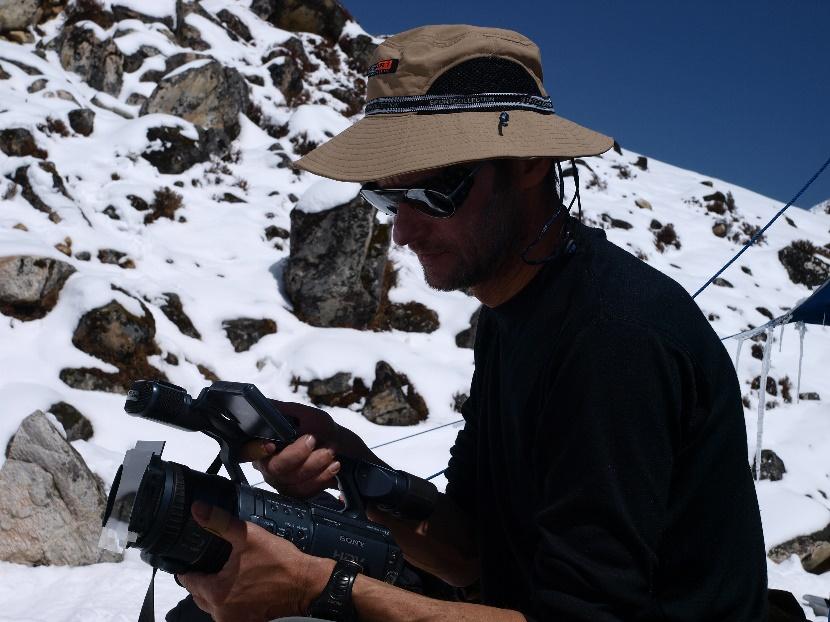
(566, 243)
(479, 102)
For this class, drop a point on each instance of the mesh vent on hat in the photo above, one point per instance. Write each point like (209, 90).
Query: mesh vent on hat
(486, 74)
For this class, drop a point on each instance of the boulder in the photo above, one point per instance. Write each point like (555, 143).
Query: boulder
(813, 550)
(19, 142)
(82, 121)
(76, 426)
(29, 286)
(172, 308)
(335, 270)
(235, 26)
(23, 178)
(410, 317)
(18, 14)
(287, 76)
(641, 163)
(467, 338)
(359, 49)
(772, 467)
(209, 95)
(99, 63)
(244, 332)
(393, 400)
(51, 506)
(171, 152)
(642, 203)
(320, 17)
(337, 390)
(805, 263)
(113, 334)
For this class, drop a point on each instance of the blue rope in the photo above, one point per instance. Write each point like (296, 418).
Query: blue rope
(417, 434)
(767, 226)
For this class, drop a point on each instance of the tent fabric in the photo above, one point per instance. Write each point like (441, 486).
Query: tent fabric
(814, 310)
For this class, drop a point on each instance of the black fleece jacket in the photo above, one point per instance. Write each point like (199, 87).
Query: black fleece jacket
(604, 457)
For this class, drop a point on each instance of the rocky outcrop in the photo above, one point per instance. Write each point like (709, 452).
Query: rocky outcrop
(335, 271)
(51, 506)
(320, 17)
(208, 95)
(244, 332)
(813, 550)
(806, 263)
(171, 152)
(120, 338)
(18, 14)
(29, 286)
(76, 426)
(393, 400)
(359, 49)
(99, 63)
(20, 142)
(23, 177)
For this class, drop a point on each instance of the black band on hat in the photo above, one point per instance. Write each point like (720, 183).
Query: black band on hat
(459, 103)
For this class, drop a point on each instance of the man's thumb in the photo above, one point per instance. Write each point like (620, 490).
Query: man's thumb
(214, 519)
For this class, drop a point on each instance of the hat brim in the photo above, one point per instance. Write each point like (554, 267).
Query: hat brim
(382, 146)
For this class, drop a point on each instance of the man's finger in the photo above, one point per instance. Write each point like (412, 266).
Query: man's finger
(290, 458)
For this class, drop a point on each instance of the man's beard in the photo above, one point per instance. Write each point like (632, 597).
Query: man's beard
(495, 244)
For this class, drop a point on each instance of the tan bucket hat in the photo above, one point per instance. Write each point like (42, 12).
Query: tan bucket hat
(443, 95)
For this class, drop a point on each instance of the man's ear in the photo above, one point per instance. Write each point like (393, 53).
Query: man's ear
(531, 172)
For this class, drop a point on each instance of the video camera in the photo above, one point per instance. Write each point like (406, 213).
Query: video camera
(149, 504)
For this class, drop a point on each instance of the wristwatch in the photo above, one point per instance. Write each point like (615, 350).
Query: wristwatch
(335, 603)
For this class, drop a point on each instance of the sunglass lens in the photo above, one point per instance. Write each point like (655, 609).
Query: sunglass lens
(383, 201)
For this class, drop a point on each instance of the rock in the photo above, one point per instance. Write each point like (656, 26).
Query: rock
(335, 270)
(665, 237)
(273, 231)
(245, 332)
(18, 14)
(410, 317)
(615, 222)
(655, 224)
(805, 263)
(210, 96)
(353, 98)
(287, 77)
(809, 396)
(19, 142)
(172, 152)
(720, 229)
(458, 401)
(37, 86)
(120, 338)
(467, 338)
(765, 312)
(641, 163)
(121, 13)
(76, 426)
(812, 549)
(99, 63)
(359, 49)
(172, 308)
(22, 177)
(116, 258)
(642, 203)
(29, 286)
(772, 388)
(722, 282)
(337, 390)
(51, 507)
(758, 352)
(393, 400)
(320, 17)
(234, 25)
(82, 121)
(772, 467)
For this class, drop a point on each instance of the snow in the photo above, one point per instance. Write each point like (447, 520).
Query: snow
(220, 263)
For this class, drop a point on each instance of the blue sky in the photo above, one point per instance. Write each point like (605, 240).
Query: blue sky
(736, 89)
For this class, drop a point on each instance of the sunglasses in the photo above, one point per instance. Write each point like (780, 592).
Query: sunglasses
(440, 197)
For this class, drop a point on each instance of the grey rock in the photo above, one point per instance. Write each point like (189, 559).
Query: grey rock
(210, 96)
(467, 338)
(172, 152)
(772, 467)
(287, 77)
(76, 426)
(244, 332)
(393, 400)
(19, 142)
(234, 25)
(642, 203)
(22, 178)
(337, 390)
(812, 549)
(809, 396)
(359, 49)
(335, 270)
(18, 14)
(172, 308)
(410, 317)
(806, 263)
(29, 286)
(320, 17)
(99, 63)
(82, 121)
(51, 507)
(120, 13)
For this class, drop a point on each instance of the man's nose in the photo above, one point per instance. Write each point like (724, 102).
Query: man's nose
(408, 225)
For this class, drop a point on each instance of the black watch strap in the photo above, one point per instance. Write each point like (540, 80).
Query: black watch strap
(335, 603)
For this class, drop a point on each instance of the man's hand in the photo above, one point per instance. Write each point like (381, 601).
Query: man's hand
(265, 576)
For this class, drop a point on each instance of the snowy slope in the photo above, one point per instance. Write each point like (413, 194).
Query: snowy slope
(222, 267)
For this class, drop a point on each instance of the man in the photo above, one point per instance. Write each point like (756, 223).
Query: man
(601, 474)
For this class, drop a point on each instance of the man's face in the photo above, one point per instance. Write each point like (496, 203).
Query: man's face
(475, 245)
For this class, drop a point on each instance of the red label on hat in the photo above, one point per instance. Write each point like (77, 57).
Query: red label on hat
(389, 65)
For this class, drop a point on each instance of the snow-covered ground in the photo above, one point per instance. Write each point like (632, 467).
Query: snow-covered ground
(222, 267)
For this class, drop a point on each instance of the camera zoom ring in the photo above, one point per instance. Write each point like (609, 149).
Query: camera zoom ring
(177, 514)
